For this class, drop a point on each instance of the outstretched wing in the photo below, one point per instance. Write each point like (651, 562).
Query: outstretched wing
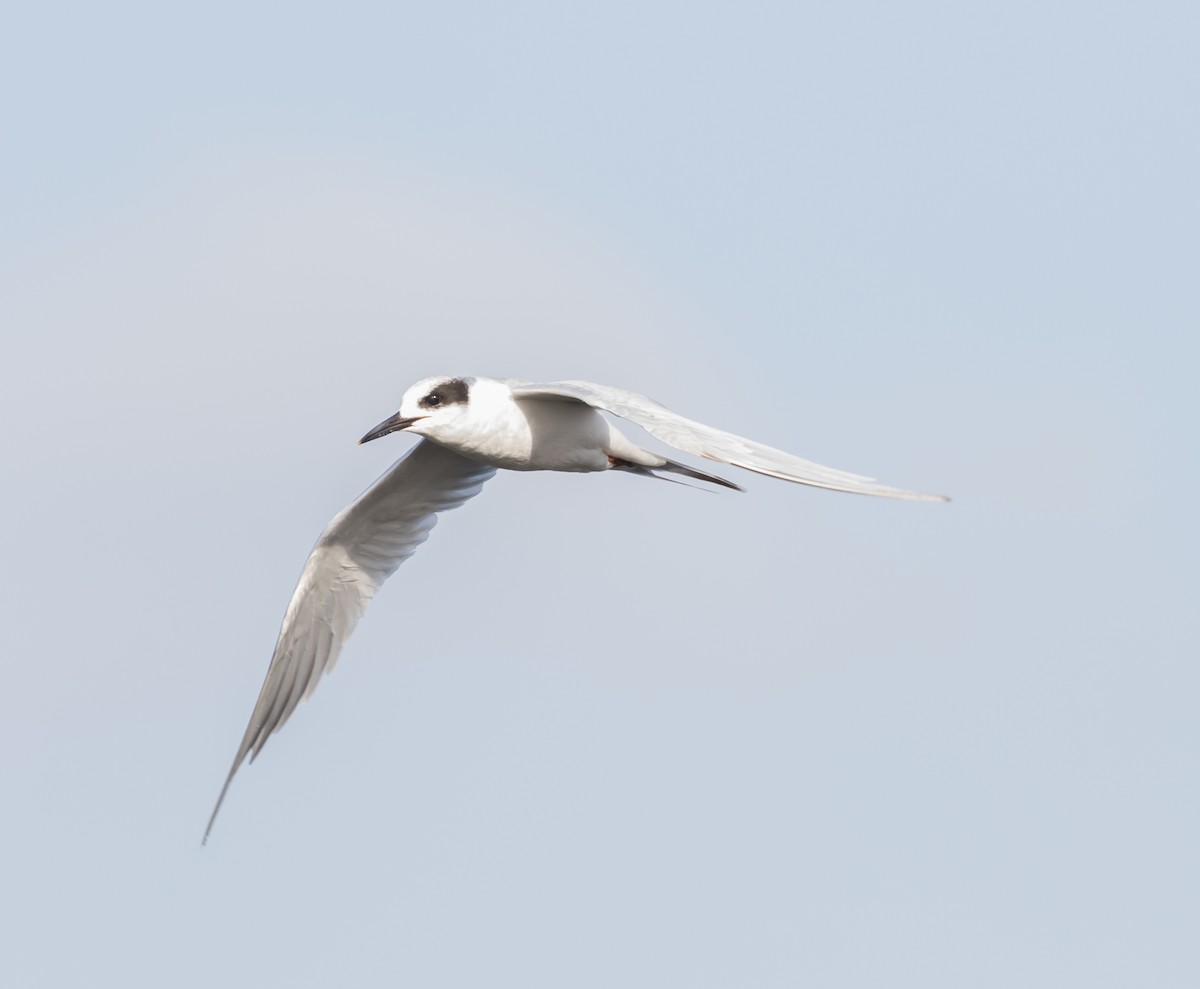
(704, 441)
(356, 553)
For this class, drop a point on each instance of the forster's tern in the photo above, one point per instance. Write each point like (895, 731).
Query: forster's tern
(471, 427)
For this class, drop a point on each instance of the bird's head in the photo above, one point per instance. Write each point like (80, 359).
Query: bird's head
(433, 407)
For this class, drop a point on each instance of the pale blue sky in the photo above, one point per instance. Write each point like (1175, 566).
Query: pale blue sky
(602, 732)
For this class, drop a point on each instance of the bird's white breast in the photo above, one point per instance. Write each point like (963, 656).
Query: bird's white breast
(527, 434)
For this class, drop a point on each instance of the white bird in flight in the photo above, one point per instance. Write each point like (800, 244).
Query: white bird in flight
(470, 427)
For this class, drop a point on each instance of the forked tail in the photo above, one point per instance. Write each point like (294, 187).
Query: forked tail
(671, 467)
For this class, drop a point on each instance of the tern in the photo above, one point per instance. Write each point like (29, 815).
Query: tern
(470, 428)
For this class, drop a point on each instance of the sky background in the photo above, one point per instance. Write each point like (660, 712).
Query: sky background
(601, 732)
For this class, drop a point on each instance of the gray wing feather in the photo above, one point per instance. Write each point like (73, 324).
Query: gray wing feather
(705, 441)
(355, 554)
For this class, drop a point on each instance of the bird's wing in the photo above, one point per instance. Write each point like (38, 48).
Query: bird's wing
(705, 441)
(356, 553)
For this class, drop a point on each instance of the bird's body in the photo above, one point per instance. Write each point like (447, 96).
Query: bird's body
(499, 427)
(504, 432)
(471, 427)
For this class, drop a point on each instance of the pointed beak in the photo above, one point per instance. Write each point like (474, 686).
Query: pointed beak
(390, 425)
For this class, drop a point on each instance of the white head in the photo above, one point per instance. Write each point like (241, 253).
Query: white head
(439, 408)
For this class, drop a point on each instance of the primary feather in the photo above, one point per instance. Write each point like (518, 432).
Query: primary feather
(355, 554)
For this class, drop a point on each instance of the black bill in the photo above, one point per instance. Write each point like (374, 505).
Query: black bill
(390, 425)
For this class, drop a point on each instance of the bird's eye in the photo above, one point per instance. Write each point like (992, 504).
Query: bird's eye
(433, 399)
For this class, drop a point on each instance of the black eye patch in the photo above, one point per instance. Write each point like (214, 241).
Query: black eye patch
(452, 392)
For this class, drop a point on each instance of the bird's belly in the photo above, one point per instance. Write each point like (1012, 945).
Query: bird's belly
(564, 436)
(538, 435)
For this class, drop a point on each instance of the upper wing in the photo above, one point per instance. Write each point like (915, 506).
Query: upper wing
(715, 444)
(356, 553)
